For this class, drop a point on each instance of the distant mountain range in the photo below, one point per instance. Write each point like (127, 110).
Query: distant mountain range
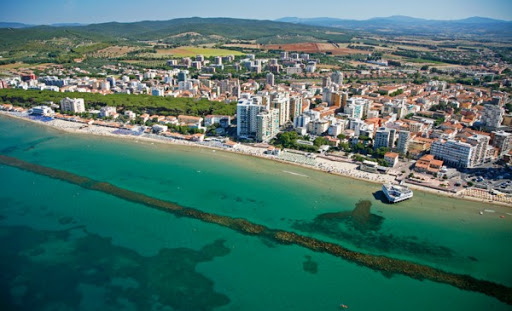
(399, 24)
(192, 30)
(195, 30)
(21, 25)
(14, 25)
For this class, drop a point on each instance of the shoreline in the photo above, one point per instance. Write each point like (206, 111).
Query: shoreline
(322, 165)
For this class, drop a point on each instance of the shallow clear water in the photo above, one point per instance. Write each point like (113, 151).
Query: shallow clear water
(69, 248)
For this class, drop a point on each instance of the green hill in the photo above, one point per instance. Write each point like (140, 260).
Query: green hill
(165, 31)
(62, 44)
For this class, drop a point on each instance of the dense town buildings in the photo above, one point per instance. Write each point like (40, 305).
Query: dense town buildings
(451, 122)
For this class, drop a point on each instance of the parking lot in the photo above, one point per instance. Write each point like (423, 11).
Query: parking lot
(490, 178)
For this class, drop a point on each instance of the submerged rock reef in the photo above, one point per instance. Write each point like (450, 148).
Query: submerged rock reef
(386, 265)
(363, 229)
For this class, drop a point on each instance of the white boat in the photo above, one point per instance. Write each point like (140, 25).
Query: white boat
(395, 193)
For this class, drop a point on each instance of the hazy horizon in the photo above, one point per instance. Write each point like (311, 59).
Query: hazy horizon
(300, 17)
(36, 12)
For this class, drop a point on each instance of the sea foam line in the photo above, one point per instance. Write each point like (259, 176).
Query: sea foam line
(296, 174)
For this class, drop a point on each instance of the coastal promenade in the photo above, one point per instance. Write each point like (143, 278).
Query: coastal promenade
(347, 169)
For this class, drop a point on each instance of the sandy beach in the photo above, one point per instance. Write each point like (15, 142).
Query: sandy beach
(345, 169)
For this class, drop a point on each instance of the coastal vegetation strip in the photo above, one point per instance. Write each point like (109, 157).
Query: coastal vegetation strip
(139, 104)
(388, 266)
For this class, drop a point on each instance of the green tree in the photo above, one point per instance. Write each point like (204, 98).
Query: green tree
(439, 121)
(319, 141)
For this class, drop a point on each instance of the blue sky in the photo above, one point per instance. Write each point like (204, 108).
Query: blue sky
(97, 11)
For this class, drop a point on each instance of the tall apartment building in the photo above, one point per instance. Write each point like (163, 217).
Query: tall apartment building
(384, 137)
(75, 105)
(337, 77)
(304, 119)
(392, 138)
(267, 125)
(502, 140)
(270, 79)
(326, 81)
(354, 110)
(357, 107)
(182, 75)
(326, 95)
(492, 116)
(344, 99)
(336, 98)
(453, 153)
(295, 107)
(480, 144)
(381, 138)
(283, 105)
(403, 141)
(247, 111)
(231, 86)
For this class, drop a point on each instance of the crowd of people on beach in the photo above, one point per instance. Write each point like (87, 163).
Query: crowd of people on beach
(296, 158)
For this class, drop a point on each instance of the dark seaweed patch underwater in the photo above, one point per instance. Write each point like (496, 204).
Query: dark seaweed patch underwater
(38, 267)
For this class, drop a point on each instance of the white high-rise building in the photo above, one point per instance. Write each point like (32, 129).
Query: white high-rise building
(453, 153)
(357, 125)
(270, 79)
(356, 107)
(392, 138)
(327, 95)
(403, 141)
(480, 144)
(267, 125)
(336, 128)
(75, 105)
(354, 111)
(302, 120)
(382, 138)
(283, 105)
(247, 111)
(337, 77)
(503, 141)
(295, 107)
(492, 116)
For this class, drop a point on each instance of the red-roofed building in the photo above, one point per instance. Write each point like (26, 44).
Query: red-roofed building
(428, 164)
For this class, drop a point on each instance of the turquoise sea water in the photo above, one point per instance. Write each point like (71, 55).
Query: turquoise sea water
(68, 248)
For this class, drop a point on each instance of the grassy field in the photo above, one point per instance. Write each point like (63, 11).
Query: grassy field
(147, 63)
(114, 51)
(21, 65)
(188, 51)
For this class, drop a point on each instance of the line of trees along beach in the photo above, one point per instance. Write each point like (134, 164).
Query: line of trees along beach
(138, 103)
